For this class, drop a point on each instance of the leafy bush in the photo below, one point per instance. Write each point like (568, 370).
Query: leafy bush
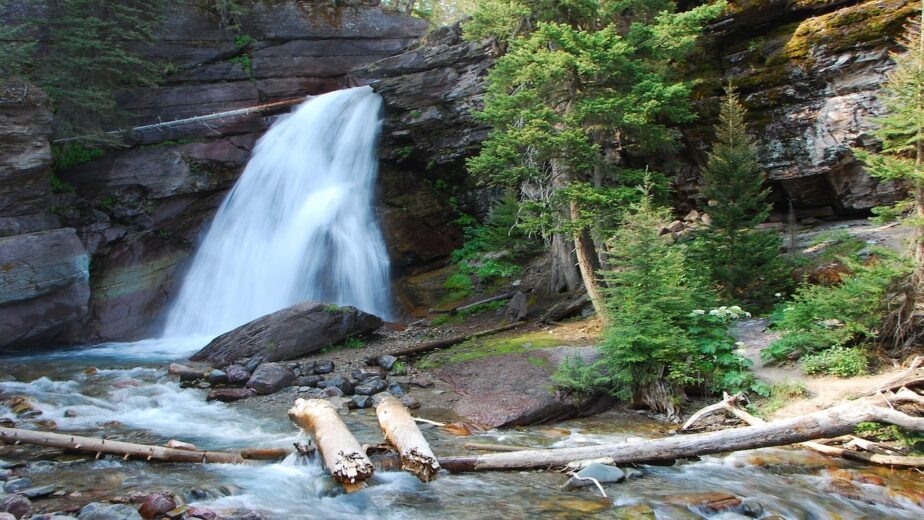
(399, 369)
(837, 361)
(845, 315)
(914, 441)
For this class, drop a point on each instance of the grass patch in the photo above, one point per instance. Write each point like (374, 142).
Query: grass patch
(349, 343)
(399, 369)
(459, 317)
(487, 347)
(780, 395)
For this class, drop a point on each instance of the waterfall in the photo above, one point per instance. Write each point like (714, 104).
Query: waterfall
(298, 225)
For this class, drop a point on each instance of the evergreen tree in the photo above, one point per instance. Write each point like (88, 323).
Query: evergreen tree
(901, 130)
(646, 349)
(743, 263)
(90, 55)
(582, 83)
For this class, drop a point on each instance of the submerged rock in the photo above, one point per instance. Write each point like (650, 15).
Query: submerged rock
(156, 504)
(270, 378)
(289, 333)
(99, 511)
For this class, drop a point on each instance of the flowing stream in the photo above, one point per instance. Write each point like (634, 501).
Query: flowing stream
(299, 225)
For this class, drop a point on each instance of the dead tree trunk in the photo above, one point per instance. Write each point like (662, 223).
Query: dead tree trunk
(344, 457)
(833, 422)
(125, 449)
(402, 432)
(454, 340)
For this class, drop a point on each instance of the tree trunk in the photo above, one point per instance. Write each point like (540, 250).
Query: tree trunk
(402, 432)
(343, 456)
(563, 273)
(124, 449)
(448, 342)
(586, 254)
(833, 422)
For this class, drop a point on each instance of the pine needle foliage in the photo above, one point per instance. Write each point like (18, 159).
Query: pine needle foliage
(743, 263)
(901, 129)
(89, 54)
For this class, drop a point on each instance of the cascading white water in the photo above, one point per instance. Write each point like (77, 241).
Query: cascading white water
(298, 225)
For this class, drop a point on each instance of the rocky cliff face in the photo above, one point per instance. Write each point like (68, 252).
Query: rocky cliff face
(809, 72)
(44, 288)
(139, 211)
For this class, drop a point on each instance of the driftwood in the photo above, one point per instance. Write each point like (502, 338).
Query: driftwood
(565, 309)
(487, 446)
(454, 340)
(833, 422)
(821, 446)
(344, 457)
(125, 449)
(911, 376)
(402, 432)
(161, 131)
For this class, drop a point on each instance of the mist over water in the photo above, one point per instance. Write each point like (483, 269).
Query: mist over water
(298, 225)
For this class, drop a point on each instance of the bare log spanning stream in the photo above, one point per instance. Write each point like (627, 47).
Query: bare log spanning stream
(402, 432)
(833, 422)
(129, 449)
(343, 456)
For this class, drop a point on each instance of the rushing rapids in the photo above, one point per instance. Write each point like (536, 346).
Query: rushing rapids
(298, 225)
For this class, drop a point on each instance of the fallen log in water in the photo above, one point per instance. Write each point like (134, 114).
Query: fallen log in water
(832, 422)
(343, 456)
(402, 432)
(728, 404)
(111, 447)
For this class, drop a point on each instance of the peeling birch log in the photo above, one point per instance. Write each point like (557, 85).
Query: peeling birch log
(448, 342)
(832, 422)
(344, 457)
(728, 405)
(402, 432)
(125, 449)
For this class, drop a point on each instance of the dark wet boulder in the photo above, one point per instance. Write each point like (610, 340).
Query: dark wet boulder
(338, 382)
(289, 333)
(217, 377)
(397, 389)
(237, 375)
(371, 387)
(602, 473)
(362, 374)
(386, 361)
(229, 395)
(156, 504)
(270, 378)
(99, 511)
(310, 381)
(361, 401)
(324, 367)
(16, 505)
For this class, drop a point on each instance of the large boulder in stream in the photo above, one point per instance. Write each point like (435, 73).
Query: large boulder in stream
(289, 333)
(517, 389)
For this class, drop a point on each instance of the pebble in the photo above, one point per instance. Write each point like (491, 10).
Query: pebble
(324, 367)
(252, 364)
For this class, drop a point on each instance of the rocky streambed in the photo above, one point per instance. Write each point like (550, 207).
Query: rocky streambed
(124, 392)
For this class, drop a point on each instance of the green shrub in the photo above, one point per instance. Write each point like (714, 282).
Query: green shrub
(845, 315)
(837, 361)
(914, 441)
